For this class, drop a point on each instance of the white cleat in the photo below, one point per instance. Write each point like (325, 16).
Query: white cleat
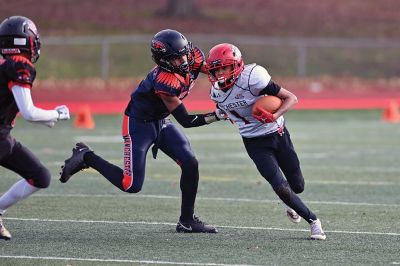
(293, 216)
(4, 233)
(316, 230)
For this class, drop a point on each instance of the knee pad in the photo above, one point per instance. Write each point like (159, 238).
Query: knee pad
(298, 188)
(40, 178)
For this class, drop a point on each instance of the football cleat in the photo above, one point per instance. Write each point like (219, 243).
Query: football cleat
(194, 226)
(293, 216)
(75, 163)
(316, 230)
(4, 233)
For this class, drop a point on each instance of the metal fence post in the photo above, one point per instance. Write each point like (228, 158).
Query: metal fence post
(105, 59)
(301, 60)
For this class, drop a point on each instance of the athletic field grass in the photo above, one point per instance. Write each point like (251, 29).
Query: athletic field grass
(350, 161)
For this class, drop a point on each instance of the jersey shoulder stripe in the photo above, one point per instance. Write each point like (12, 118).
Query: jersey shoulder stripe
(18, 71)
(168, 83)
(22, 59)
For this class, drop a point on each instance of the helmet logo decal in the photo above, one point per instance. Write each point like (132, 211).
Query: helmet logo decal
(159, 46)
(215, 62)
(19, 41)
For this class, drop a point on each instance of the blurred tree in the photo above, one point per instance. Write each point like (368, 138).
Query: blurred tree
(180, 8)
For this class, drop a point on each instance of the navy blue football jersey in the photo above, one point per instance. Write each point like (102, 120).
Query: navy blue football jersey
(14, 70)
(145, 103)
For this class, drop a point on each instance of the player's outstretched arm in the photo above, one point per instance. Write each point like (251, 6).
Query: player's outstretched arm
(32, 113)
(178, 110)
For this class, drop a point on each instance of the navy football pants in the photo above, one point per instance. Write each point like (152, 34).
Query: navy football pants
(274, 154)
(138, 137)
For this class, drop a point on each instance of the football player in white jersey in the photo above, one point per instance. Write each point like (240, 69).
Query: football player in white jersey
(235, 88)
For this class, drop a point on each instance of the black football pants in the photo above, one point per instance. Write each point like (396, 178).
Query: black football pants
(22, 161)
(275, 158)
(138, 137)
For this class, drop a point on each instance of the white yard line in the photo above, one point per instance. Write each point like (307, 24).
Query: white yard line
(173, 224)
(212, 199)
(120, 261)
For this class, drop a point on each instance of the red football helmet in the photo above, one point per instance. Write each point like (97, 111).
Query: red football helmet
(223, 55)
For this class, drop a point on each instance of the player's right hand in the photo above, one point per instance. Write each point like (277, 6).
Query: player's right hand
(63, 112)
(263, 116)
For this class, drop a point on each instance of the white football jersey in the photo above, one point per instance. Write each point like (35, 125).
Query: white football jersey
(238, 101)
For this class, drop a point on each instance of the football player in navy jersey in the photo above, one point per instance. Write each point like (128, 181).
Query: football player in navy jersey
(235, 89)
(20, 48)
(146, 123)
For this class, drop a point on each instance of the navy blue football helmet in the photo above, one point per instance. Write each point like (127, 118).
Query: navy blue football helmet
(19, 35)
(168, 45)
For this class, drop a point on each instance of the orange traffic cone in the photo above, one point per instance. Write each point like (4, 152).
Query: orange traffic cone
(391, 113)
(84, 118)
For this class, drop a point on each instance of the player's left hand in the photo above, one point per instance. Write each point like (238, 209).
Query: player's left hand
(63, 112)
(263, 116)
(220, 114)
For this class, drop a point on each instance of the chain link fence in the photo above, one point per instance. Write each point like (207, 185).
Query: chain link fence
(128, 56)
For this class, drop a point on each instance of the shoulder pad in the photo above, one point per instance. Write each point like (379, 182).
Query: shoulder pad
(20, 71)
(168, 83)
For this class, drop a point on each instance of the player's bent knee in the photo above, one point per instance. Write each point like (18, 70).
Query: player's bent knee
(40, 178)
(134, 189)
(192, 164)
(132, 184)
(298, 188)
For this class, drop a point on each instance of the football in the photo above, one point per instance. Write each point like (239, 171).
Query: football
(269, 103)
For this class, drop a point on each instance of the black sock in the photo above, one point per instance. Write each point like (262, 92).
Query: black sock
(189, 183)
(113, 173)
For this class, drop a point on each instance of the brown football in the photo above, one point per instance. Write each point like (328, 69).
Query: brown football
(269, 103)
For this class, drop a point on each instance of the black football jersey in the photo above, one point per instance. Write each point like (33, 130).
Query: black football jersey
(14, 70)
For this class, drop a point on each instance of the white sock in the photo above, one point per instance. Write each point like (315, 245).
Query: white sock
(19, 191)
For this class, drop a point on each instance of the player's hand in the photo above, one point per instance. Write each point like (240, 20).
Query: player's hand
(63, 112)
(220, 114)
(263, 116)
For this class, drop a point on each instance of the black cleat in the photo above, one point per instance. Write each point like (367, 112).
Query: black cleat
(194, 226)
(75, 163)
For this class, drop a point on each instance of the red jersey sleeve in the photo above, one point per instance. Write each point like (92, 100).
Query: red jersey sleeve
(20, 71)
